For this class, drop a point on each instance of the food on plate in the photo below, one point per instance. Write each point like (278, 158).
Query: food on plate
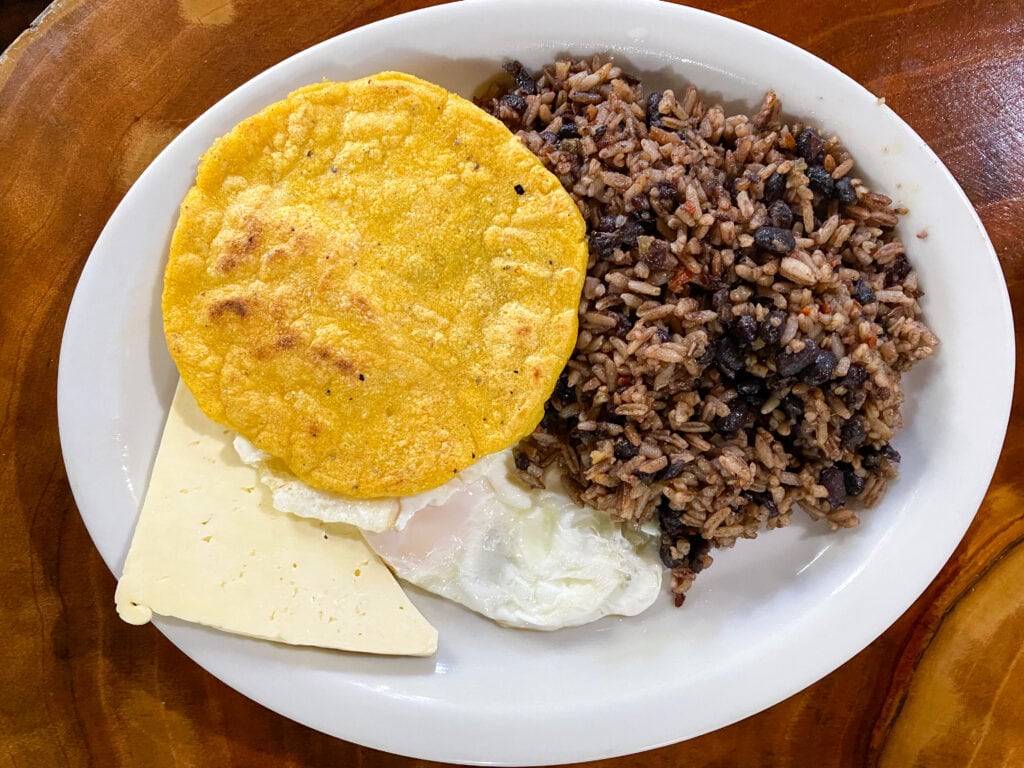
(378, 288)
(526, 558)
(748, 311)
(376, 283)
(209, 548)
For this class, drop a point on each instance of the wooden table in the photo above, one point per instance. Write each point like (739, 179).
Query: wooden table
(98, 87)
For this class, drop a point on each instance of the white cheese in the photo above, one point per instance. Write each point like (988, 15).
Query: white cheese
(209, 548)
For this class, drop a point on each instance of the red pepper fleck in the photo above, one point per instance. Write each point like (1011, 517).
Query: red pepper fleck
(679, 600)
(872, 341)
(825, 309)
(681, 278)
(690, 208)
(805, 311)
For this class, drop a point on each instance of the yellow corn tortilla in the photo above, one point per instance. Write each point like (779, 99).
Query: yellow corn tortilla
(375, 282)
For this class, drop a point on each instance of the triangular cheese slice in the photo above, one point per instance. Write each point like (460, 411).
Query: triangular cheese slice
(209, 548)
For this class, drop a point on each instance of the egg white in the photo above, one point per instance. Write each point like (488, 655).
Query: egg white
(525, 558)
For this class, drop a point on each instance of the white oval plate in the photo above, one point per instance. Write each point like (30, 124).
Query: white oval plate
(770, 617)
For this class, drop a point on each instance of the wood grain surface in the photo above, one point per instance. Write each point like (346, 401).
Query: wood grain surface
(98, 87)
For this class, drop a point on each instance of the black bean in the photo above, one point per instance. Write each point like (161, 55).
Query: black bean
(870, 458)
(524, 81)
(730, 424)
(708, 356)
(820, 370)
(623, 323)
(606, 224)
(698, 549)
(845, 192)
(667, 190)
(774, 188)
(773, 326)
(791, 363)
(624, 450)
(810, 146)
(792, 406)
(549, 136)
(753, 390)
(657, 254)
(653, 115)
(665, 552)
(750, 386)
(862, 292)
(820, 181)
(890, 453)
(604, 243)
(763, 499)
(898, 270)
(835, 483)
(722, 304)
(568, 130)
(744, 330)
(780, 215)
(774, 240)
(854, 483)
(515, 101)
(563, 394)
(664, 197)
(670, 522)
(643, 216)
(852, 433)
(855, 377)
(672, 471)
(630, 230)
(821, 211)
(855, 400)
(521, 459)
(552, 422)
(729, 354)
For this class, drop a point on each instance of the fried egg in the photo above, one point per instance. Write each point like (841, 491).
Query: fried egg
(524, 558)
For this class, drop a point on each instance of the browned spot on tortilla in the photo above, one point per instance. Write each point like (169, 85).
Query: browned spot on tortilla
(242, 247)
(331, 357)
(314, 429)
(524, 330)
(286, 341)
(235, 306)
(362, 305)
